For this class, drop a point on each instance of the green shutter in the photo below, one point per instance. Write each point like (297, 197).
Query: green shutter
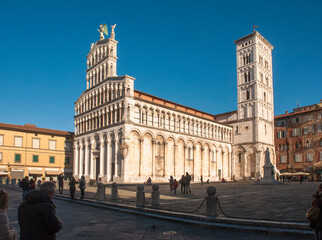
(35, 158)
(51, 159)
(17, 157)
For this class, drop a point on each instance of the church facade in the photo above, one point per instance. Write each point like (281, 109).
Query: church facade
(125, 135)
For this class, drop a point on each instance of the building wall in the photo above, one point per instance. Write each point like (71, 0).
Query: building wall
(303, 128)
(26, 165)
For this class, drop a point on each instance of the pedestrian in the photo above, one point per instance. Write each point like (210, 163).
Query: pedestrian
(201, 180)
(301, 179)
(188, 180)
(317, 224)
(38, 184)
(182, 182)
(37, 215)
(175, 185)
(72, 187)
(171, 182)
(61, 183)
(32, 184)
(208, 181)
(24, 184)
(5, 232)
(82, 186)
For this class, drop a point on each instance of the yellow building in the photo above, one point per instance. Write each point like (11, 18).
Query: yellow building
(26, 150)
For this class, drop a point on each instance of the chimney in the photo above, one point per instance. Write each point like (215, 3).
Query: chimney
(286, 112)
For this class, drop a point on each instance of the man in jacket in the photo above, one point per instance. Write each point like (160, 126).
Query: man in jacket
(61, 183)
(37, 216)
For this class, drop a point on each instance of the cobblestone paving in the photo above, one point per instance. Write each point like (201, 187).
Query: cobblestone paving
(85, 222)
(244, 200)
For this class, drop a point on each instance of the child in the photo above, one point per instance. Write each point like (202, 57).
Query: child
(175, 185)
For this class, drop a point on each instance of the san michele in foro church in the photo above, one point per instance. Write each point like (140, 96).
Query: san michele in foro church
(125, 135)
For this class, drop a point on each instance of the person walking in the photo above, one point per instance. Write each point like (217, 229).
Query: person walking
(24, 184)
(171, 182)
(32, 184)
(188, 180)
(317, 224)
(72, 187)
(201, 180)
(37, 215)
(182, 182)
(61, 183)
(82, 186)
(175, 185)
(5, 232)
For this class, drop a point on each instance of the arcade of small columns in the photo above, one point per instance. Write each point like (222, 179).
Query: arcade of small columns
(174, 121)
(96, 72)
(150, 155)
(104, 116)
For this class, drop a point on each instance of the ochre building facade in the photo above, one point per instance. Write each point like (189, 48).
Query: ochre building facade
(26, 150)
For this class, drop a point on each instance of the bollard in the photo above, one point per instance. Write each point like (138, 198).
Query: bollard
(140, 196)
(100, 192)
(155, 196)
(13, 182)
(211, 202)
(114, 193)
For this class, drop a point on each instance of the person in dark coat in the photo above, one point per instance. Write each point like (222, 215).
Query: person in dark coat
(183, 182)
(61, 183)
(37, 215)
(24, 184)
(188, 180)
(82, 186)
(32, 184)
(171, 182)
(72, 188)
(317, 225)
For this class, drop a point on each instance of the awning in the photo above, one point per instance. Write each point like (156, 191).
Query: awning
(300, 173)
(3, 173)
(52, 172)
(17, 174)
(35, 171)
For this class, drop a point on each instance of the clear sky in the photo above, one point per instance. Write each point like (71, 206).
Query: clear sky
(180, 50)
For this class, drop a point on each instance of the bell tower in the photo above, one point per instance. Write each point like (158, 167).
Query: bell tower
(101, 60)
(255, 89)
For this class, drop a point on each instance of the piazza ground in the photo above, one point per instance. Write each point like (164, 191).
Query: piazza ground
(286, 202)
(82, 222)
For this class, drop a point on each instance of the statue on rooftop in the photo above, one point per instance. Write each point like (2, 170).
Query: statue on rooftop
(112, 32)
(102, 31)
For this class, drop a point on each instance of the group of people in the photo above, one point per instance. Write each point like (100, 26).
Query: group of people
(27, 185)
(184, 182)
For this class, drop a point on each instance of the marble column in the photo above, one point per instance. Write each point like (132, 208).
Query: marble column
(86, 157)
(116, 171)
(102, 151)
(141, 156)
(153, 159)
(92, 167)
(81, 158)
(108, 159)
(76, 153)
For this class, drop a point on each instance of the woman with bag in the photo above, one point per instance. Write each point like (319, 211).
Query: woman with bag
(314, 214)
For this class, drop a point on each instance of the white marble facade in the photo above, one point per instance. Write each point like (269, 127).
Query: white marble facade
(125, 135)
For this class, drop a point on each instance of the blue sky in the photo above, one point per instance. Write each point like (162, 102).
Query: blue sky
(182, 51)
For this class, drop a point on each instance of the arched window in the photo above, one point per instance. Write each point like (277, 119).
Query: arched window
(279, 147)
(307, 144)
(239, 157)
(264, 96)
(245, 76)
(248, 94)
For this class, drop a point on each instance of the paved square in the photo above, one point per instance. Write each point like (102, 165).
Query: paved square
(289, 201)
